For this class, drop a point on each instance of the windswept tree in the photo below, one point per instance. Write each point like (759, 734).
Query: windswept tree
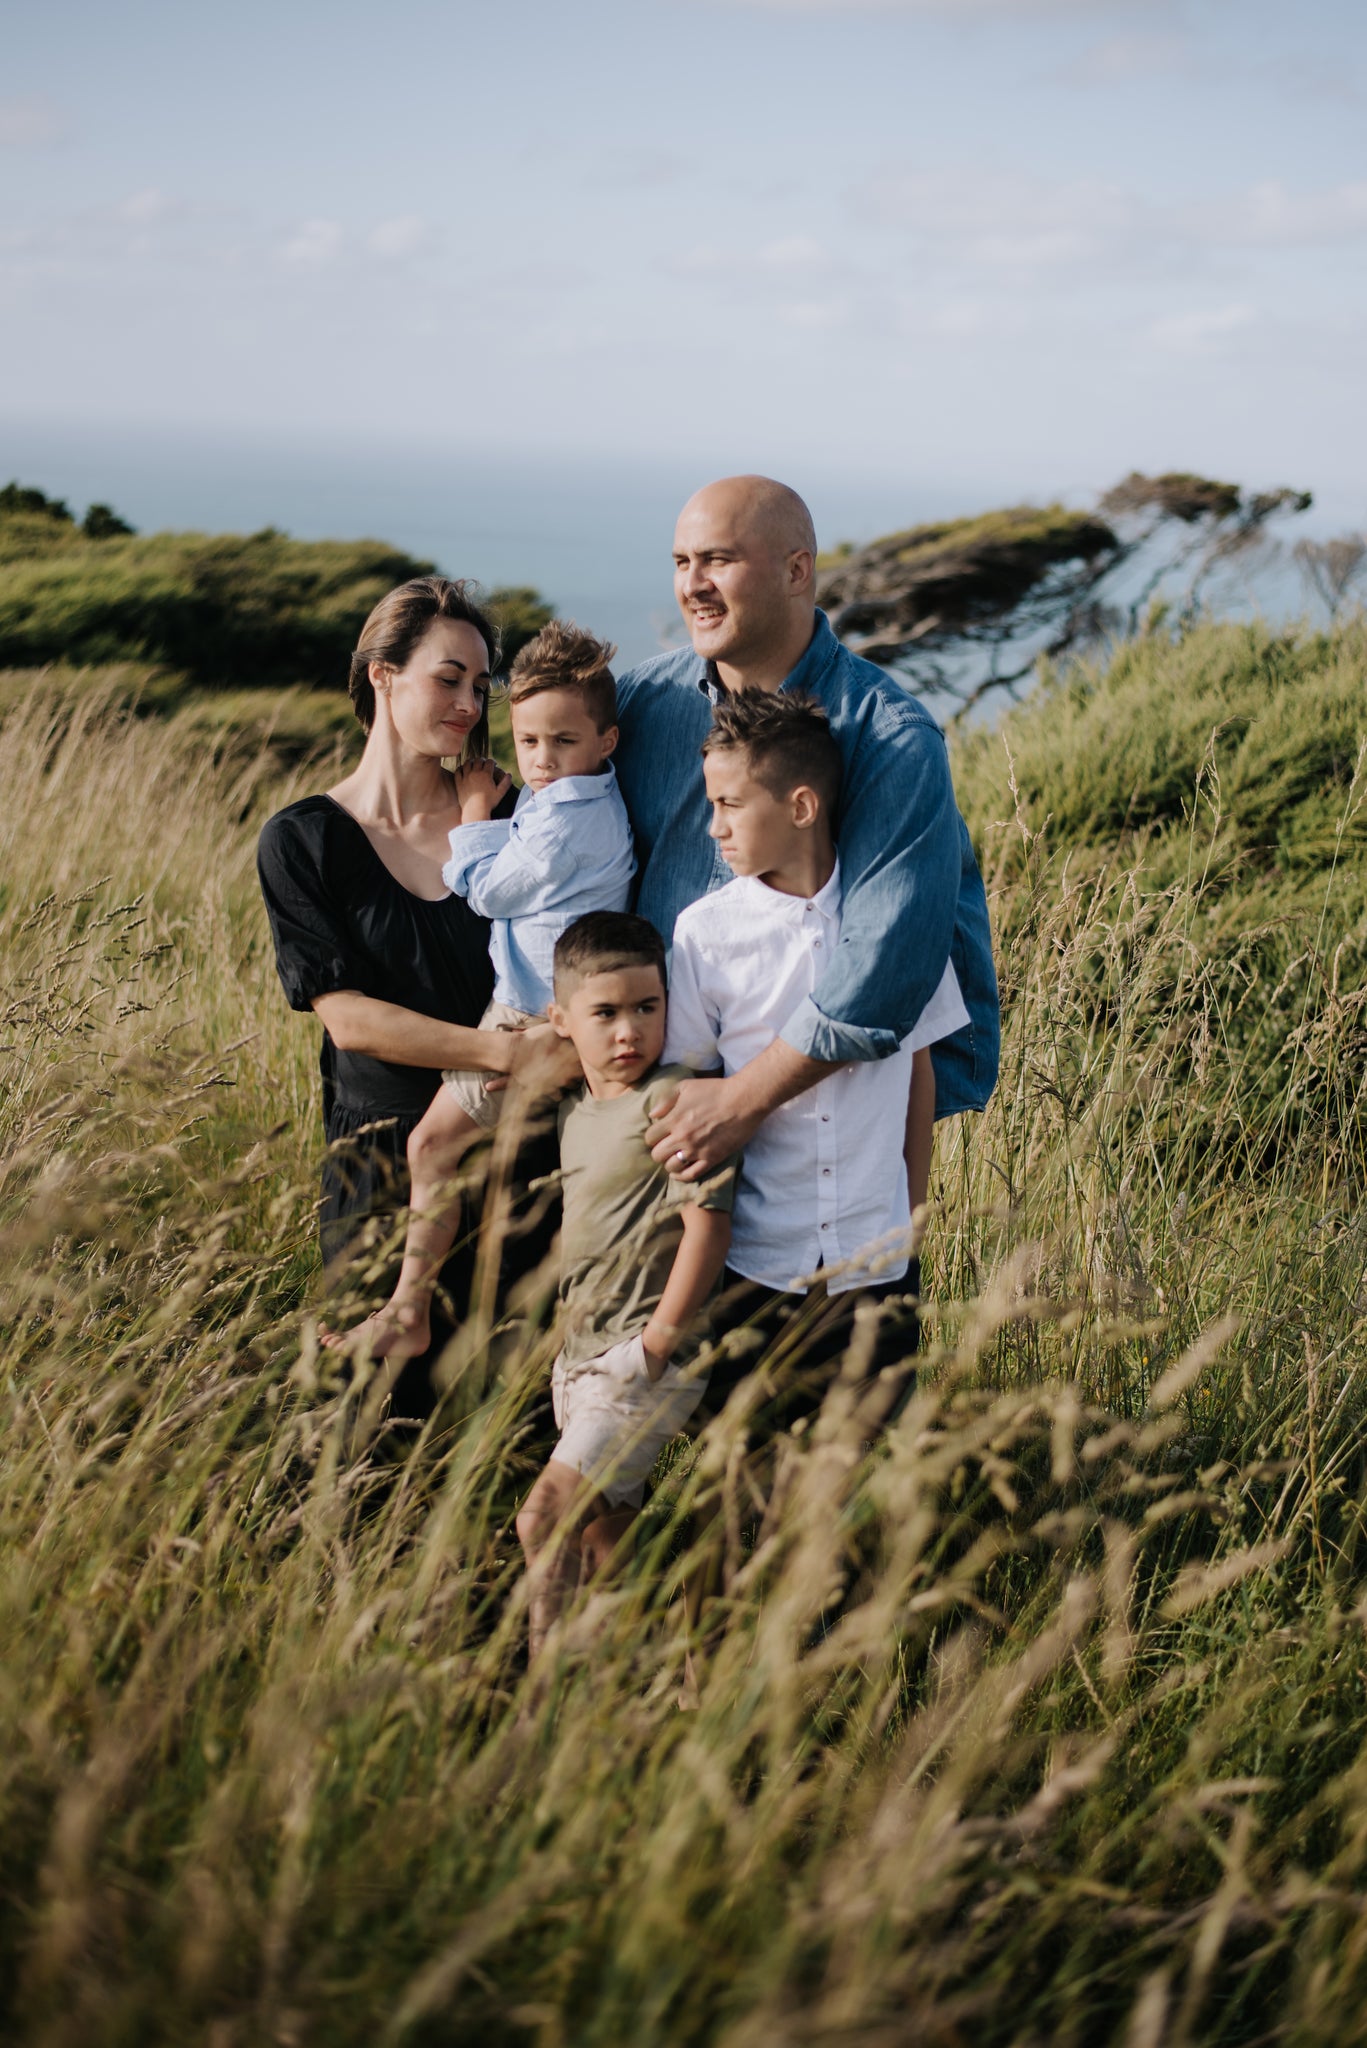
(963, 608)
(1332, 568)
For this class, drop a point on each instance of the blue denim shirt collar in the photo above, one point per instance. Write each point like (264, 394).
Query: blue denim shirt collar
(822, 649)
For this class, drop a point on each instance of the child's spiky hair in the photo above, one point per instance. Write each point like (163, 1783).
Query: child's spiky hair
(604, 942)
(787, 741)
(564, 657)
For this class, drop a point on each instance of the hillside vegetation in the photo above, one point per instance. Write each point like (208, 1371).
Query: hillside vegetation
(1040, 1722)
(215, 611)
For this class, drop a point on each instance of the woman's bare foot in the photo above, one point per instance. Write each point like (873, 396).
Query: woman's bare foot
(401, 1329)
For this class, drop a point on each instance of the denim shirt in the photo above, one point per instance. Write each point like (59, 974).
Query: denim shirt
(913, 895)
(565, 850)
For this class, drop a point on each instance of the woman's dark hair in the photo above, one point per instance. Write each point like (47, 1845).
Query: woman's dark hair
(396, 626)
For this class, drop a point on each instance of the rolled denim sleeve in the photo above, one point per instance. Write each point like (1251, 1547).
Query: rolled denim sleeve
(900, 859)
(809, 1030)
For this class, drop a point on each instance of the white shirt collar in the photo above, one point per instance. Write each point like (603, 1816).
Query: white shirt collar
(791, 909)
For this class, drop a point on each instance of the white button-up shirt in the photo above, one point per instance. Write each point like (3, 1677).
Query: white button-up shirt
(823, 1183)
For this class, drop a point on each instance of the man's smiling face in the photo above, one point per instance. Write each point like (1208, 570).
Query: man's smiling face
(730, 579)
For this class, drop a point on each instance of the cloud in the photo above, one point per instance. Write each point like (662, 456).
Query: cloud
(1146, 53)
(1020, 229)
(1200, 331)
(794, 280)
(814, 313)
(773, 263)
(141, 208)
(314, 245)
(1269, 216)
(1150, 53)
(633, 168)
(29, 123)
(951, 318)
(1313, 80)
(1003, 221)
(794, 252)
(620, 167)
(392, 240)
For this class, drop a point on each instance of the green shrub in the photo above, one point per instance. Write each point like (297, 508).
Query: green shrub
(1266, 723)
(221, 610)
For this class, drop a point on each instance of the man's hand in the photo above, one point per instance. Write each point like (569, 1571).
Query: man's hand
(479, 785)
(706, 1121)
(700, 1126)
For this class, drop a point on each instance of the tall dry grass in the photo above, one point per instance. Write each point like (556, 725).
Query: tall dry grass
(1038, 1722)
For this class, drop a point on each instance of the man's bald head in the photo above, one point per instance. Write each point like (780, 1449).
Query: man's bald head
(744, 575)
(758, 507)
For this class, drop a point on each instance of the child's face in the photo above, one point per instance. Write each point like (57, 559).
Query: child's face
(555, 736)
(616, 1021)
(757, 833)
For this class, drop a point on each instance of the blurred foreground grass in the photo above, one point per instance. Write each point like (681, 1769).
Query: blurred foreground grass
(1042, 1723)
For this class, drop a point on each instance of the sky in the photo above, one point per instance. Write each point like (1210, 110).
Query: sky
(920, 254)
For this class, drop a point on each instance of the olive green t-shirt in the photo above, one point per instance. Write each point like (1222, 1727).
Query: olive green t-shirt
(623, 1216)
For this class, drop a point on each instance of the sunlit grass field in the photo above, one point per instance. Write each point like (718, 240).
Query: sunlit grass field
(1039, 1722)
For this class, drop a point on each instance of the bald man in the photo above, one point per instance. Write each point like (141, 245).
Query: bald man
(744, 577)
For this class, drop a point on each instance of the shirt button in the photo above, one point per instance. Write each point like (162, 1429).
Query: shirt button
(825, 1226)
(825, 1116)
(816, 942)
(825, 1173)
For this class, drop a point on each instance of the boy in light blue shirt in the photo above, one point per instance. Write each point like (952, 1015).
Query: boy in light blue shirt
(565, 850)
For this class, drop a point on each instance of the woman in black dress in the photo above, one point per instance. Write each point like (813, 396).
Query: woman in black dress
(366, 933)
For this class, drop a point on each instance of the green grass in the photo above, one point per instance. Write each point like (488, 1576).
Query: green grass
(1041, 1723)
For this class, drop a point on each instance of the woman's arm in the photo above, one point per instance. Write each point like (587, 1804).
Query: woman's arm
(357, 1023)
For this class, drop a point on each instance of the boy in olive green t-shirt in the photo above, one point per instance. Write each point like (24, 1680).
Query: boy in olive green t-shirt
(640, 1255)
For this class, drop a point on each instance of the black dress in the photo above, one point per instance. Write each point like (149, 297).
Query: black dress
(341, 921)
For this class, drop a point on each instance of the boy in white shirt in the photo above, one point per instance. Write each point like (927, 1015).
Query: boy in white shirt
(822, 1220)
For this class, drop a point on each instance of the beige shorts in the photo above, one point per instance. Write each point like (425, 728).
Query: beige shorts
(468, 1088)
(614, 1419)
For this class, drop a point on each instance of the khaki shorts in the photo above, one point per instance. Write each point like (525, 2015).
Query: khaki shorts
(614, 1419)
(468, 1088)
